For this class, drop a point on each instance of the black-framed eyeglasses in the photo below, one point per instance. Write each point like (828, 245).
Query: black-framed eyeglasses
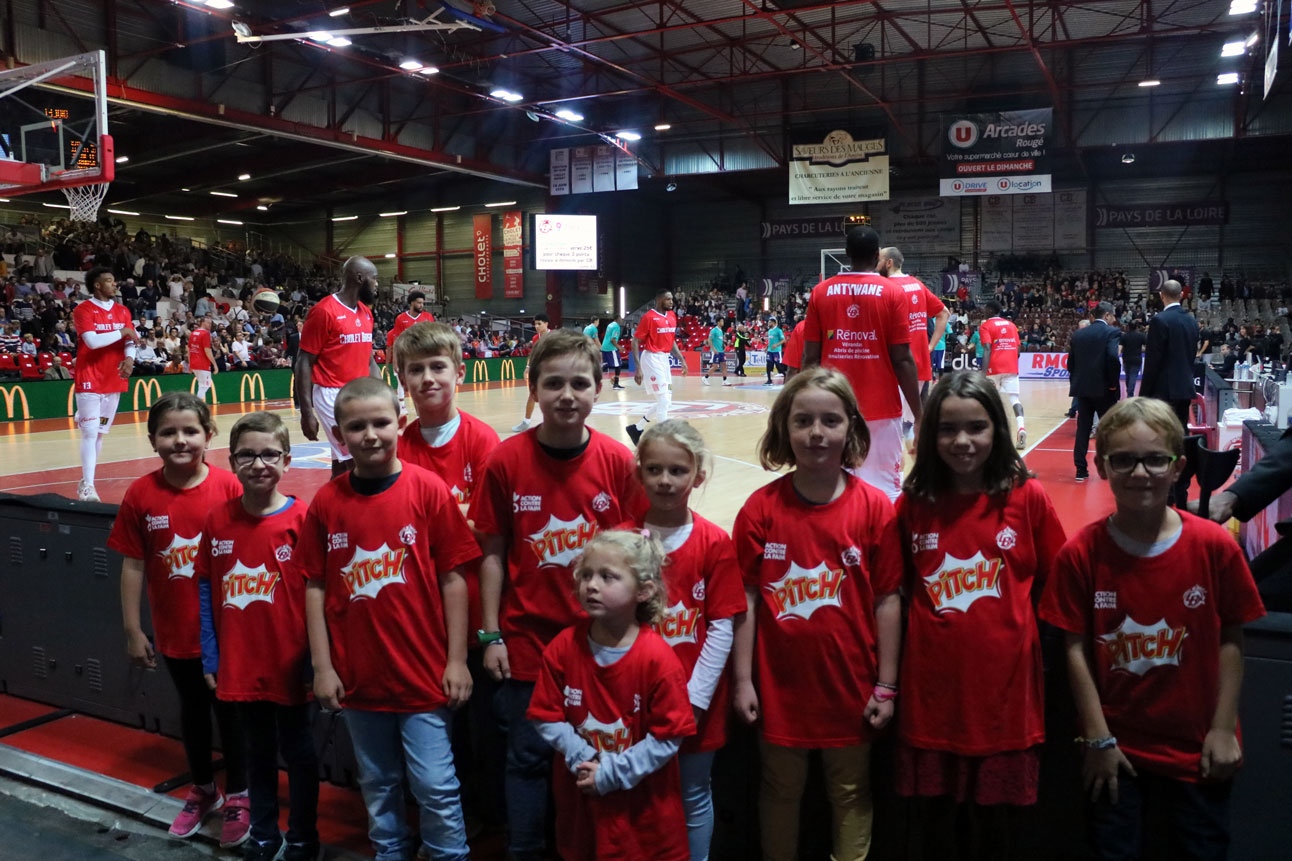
(1154, 464)
(269, 457)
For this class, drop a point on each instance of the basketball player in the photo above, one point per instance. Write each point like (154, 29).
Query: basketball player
(416, 313)
(201, 358)
(999, 339)
(653, 342)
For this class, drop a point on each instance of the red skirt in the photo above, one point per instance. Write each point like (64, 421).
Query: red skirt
(1010, 777)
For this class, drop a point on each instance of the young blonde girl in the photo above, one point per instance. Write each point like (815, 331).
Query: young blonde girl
(981, 535)
(611, 699)
(158, 531)
(816, 656)
(704, 596)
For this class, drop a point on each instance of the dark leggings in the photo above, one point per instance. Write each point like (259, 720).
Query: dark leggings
(271, 729)
(196, 702)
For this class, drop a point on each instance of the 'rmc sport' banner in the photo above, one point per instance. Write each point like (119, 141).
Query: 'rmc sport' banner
(1043, 366)
(1006, 152)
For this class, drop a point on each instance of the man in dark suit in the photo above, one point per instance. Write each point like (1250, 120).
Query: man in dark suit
(1168, 362)
(1094, 378)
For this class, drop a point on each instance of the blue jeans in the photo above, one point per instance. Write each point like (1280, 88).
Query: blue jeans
(1198, 812)
(386, 742)
(529, 768)
(697, 801)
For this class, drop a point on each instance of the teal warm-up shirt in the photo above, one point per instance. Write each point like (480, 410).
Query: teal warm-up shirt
(611, 341)
(775, 339)
(591, 331)
(716, 339)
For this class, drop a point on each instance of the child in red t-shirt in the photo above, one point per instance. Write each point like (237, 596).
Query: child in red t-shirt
(544, 494)
(158, 531)
(1153, 601)
(981, 536)
(816, 656)
(384, 549)
(704, 595)
(254, 649)
(611, 699)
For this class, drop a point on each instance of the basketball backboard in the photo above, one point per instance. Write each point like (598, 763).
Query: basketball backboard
(54, 125)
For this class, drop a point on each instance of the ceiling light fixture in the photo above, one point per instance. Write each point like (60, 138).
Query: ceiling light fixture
(222, 193)
(243, 177)
(1226, 78)
(1233, 49)
(1252, 40)
(411, 65)
(263, 208)
(390, 256)
(6, 200)
(569, 115)
(428, 70)
(506, 95)
(346, 218)
(1242, 7)
(122, 212)
(320, 36)
(177, 217)
(663, 127)
(393, 214)
(628, 136)
(339, 42)
(219, 4)
(56, 205)
(337, 13)
(1128, 158)
(446, 209)
(1151, 82)
(183, 189)
(122, 159)
(229, 221)
(502, 203)
(672, 186)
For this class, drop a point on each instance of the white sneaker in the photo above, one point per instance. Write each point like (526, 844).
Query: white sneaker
(1022, 439)
(726, 382)
(85, 492)
(524, 425)
(704, 380)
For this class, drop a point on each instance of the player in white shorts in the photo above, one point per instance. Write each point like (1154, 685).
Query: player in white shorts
(654, 340)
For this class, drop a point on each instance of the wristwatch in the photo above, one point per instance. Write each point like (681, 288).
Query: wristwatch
(486, 638)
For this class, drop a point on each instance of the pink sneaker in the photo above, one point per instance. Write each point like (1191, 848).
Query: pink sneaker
(237, 821)
(197, 804)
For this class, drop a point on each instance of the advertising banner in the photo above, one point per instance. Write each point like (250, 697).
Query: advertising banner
(513, 275)
(1195, 213)
(1034, 222)
(830, 226)
(1070, 220)
(587, 169)
(1005, 152)
(603, 168)
(1043, 366)
(482, 248)
(625, 171)
(581, 170)
(997, 222)
(921, 224)
(838, 169)
(558, 167)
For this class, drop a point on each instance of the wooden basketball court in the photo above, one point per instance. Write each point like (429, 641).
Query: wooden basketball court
(41, 456)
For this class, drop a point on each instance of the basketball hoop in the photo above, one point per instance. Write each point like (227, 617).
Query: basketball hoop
(84, 200)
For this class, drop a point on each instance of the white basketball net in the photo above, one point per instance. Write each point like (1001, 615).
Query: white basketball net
(84, 200)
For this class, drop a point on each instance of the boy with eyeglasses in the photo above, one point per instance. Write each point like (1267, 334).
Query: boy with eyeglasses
(254, 649)
(1152, 601)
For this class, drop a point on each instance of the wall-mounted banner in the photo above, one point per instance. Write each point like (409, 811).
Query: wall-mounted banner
(513, 274)
(918, 225)
(839, 169)
(1034, 222)
(997, 153)
(585, 169)
(482, 249)
(1194, 213)
(801, 228)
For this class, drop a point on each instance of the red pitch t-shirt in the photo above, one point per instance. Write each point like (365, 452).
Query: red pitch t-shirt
(162, 525)
(547, 509)
(98, 370)
(819, 571)
(340, 338)
(380, 558)
(199, 341)
(1000, 337)
(793, 355)
(704, 585)
(460, 462)
(920, 305)
(972, 679)
(1154, 624)
(258, 610)
(856, 317)
(613, 708)
(657, 331)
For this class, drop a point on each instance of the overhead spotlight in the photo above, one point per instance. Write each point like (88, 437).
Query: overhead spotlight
(1128, 158)
(390, 256)
(663, 127)
(445, 208)
(241, 29)
(122, 212)
(321, 36)
(532, 117)
(411, 65)
(569, 115)
(628, 135)
(428, 70)
(1242, 7)
(501, 203)
(1151, 82)
(262, 208)
(122, 159)
(672, 186)
(794, 46)
(223, 193)
(339, 42)
(1226, 78)
(1252, 40)
(506, 95)
(346, 218)
(178, 217)
(337, 13)
(219, 4)
(392, 214)
(1233, 49)
(243, 177)
(228, 221)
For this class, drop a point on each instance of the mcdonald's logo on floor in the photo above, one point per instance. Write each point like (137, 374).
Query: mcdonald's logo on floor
(151, 389)
(507, 370)
(12, 395)
(479, 371)
(248, 386)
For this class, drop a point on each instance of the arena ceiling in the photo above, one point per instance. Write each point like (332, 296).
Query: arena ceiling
(321, 125)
